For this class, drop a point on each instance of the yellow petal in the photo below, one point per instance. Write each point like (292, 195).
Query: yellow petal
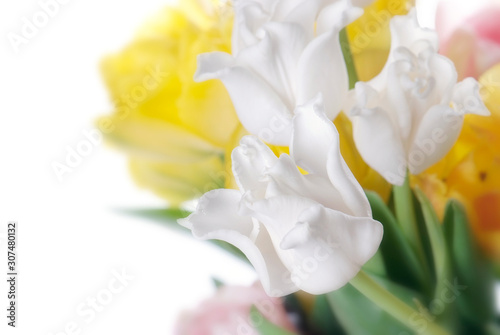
(206, 109)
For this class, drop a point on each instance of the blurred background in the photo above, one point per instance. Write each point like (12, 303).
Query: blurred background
(73, 239)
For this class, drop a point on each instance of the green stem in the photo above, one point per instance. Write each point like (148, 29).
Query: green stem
(393, 305)
(405, 214)
(348, 58)
(405, 211)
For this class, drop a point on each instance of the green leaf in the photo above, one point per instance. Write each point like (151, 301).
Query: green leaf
(437, 241)
(376, 265)
(264, 326)
(400, 260)
(476, 301)
(446, 313)
(360, 316)
(322, 320)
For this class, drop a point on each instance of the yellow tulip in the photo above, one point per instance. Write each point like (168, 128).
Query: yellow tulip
(471, 171)
(174, 130)
(370, 36)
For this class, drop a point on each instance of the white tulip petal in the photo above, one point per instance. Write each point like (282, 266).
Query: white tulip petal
(283, 9)
(296, 237)
(318, 153)
(319, 16)
(251, 160)
(336, 16)
(217, 218)
(378, 141)
(346, 184)
(322, 69)
(250, 17)
(275, 58)
(286, 179)
(269, 6)
(405, 32)
(259, 108)
(309, 148)
(435, 136)
(279, 214)
(415, 83)
(350, 103)
(273, 272)
(207, 217)
(301, 12)
(330, 248)
(213, 65)
(418, 80)
(467, 99)
(400, 109)
(445, 75)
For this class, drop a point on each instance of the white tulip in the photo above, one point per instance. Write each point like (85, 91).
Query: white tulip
(284, 53)
(410, 115)
(311, 232)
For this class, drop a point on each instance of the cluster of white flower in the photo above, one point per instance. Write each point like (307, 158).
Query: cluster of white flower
(288, 79)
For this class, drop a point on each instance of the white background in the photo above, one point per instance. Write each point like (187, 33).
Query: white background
(71, 237)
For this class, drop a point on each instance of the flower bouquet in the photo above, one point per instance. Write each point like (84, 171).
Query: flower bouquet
(329, 144)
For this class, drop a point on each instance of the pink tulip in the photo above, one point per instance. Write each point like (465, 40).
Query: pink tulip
(471, 39)
(228, 313)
